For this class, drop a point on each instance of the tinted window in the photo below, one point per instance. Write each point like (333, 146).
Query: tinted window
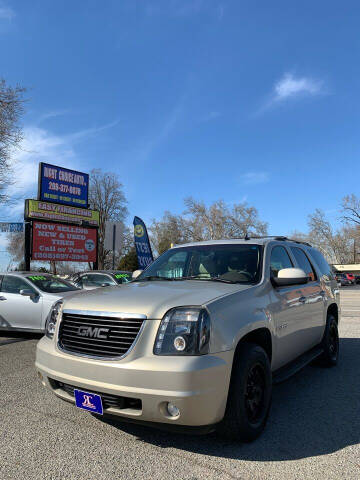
(279, 259)
(304, 262)
(96, 280)
(324, 267)
(50, 284)
(12, 284)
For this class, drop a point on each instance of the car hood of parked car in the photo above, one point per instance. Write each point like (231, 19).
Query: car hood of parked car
(151, 298)
(53, 297)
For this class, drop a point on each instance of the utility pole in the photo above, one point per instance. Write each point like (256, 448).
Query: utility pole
(27, 245)
(113, 246)
(354, 250)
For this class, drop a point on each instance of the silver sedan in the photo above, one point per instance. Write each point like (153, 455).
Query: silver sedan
(26, 299)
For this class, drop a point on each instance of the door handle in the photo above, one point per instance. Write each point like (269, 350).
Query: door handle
(2, 298)
(302, 299)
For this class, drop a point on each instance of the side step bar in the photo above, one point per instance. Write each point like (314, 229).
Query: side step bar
(293, 367)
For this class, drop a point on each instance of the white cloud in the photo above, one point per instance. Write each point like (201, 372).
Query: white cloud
(41, 145)
(290, 86)
(175, 8)
(210, 116)
(220, 12)
(254, 178)
(6, 13)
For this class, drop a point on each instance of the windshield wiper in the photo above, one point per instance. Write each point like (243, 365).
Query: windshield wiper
(153, 277)
(208, 279)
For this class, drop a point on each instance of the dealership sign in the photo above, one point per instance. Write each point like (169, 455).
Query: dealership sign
(61, 185)
(35, 209)
(64, 243)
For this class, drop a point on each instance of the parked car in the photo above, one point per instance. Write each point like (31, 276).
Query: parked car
(91, 279)
(357, 278)
(26, 299)
(197, 340)
(351, 277)
(343, 279)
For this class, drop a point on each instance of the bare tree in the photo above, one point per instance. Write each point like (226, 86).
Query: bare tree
(222, 221)
(200, 222)
(335, 244)
(106, 195)
(351, 209)
(11, 109)
(15, 246)
(171, 229)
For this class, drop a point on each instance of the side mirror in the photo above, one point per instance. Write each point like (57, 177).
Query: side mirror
(290, 276)
(27, 293)
(136, 273)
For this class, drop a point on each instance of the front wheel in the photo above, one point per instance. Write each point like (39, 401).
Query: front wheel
(249, 396)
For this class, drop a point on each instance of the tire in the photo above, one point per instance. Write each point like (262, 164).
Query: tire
(330, 343)
(249, 397)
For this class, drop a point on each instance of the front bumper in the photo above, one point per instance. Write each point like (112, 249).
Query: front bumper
(197, 385)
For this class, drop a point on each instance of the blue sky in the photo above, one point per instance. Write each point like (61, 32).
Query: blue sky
(238, 100)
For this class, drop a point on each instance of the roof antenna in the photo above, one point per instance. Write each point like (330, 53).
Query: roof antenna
(247, 236)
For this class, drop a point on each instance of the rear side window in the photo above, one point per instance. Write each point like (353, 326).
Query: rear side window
(324, 267)
(279, 259)
(304, 263)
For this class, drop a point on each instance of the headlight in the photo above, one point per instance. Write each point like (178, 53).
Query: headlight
(183, 331)
(52, 318)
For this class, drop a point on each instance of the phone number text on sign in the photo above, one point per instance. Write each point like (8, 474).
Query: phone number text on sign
(65, 243)
(61, 185)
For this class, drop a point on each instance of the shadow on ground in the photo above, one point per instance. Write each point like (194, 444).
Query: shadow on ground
(7, 337)
(316, 412)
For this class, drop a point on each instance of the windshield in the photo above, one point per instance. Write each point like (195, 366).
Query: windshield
(122, 277)
(50, 284)
(228, 263)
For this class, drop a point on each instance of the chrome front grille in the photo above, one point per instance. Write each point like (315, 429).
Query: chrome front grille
(99, 334)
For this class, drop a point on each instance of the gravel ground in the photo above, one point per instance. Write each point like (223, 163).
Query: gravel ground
(313, 429)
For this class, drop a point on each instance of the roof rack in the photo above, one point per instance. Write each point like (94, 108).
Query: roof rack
(277, 237)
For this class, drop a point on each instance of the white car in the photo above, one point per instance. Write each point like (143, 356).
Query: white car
(26, 299)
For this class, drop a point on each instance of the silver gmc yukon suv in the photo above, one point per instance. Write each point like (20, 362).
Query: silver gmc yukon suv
(198, 338)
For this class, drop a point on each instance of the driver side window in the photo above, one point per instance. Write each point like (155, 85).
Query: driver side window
(14, 284)
(279, 259)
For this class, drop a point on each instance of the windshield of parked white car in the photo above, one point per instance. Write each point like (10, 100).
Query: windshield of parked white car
(122, 277)
(229, 263)
(51, 284)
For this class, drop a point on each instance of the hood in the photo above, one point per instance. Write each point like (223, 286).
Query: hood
(58, 296)
(151, 298)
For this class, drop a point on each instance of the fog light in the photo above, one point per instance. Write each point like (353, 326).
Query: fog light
(173, 410)
(179, 343)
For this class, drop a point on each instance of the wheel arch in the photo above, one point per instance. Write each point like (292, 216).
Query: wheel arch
(259, 336)
(333, 310)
